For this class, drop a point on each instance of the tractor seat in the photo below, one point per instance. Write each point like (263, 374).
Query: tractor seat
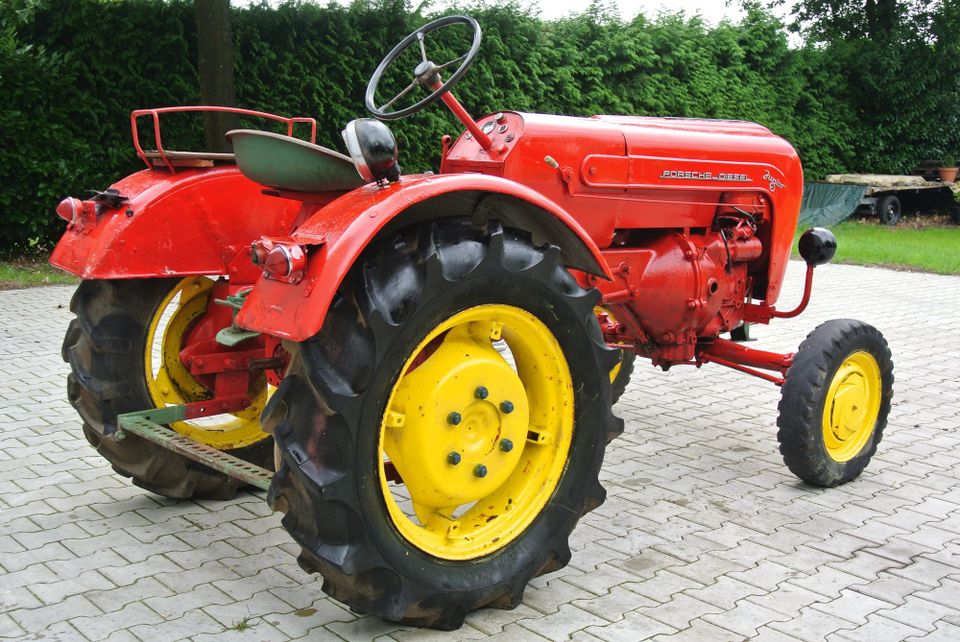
(288, 163)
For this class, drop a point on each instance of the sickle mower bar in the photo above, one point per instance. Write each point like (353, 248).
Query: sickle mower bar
(147, 424)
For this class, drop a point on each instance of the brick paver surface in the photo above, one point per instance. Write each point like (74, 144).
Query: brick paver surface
(704, 536)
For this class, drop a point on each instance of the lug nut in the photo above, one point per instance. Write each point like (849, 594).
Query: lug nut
(453, 458)
(480, 470)
(481, 392)
(506, 407)
(506, 445)
(454, 418)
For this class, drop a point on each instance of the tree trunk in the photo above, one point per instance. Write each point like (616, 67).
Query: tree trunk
(215, 65)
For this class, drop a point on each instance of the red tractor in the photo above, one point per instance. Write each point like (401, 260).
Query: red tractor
(429, 362)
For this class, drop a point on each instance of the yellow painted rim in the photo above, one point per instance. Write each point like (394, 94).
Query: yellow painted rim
(852, 405)
(171, 383)
(460, 406)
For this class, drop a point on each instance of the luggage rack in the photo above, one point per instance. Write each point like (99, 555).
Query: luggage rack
(172, 159)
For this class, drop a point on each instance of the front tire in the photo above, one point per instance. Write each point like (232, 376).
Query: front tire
(405, 368)
(835, 401)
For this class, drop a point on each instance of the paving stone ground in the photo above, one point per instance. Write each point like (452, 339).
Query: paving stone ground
(704, 536)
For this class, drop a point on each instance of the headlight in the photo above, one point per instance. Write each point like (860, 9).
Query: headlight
(373, 149)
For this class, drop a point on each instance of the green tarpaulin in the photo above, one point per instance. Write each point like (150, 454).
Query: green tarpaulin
(826, 204)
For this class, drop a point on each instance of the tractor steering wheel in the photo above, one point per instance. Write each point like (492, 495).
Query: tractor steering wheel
(427, 72)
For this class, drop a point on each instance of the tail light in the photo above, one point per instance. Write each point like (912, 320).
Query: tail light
(77, 213)
(69, 210)
(283, 261)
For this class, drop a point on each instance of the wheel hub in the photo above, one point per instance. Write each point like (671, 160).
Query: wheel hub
(171, 383)
(465, 380)
(851, 406)
(478, 429)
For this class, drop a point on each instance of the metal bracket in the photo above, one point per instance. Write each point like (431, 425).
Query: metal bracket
(147, 424)
(234, 334)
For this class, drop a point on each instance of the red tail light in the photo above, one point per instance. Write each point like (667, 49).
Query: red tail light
(281, 261)
(69, 210)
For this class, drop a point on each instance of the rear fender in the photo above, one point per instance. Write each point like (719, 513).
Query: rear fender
(340, 231)
(193, 222)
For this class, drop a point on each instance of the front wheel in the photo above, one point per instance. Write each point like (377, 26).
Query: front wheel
(443, 432)
(836, 397)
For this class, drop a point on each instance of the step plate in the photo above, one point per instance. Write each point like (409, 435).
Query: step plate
(141, 424)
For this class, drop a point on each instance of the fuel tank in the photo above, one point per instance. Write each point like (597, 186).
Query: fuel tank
(616, 173)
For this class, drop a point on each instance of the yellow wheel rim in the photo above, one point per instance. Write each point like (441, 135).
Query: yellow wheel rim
(852, 406)
(478, 428)
(170, 383)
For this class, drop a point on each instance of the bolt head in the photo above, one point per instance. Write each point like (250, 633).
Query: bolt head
(506, 407)
(481, 392)
(480, 470)
(454, 418)
(506, 445)
(453, 458)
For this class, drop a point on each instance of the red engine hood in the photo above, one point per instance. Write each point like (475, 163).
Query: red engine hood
(628, 172)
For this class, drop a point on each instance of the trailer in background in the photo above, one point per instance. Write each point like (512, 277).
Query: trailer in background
(885, 196)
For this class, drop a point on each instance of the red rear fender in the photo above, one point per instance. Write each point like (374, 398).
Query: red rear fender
(191, 222)
(341, 230)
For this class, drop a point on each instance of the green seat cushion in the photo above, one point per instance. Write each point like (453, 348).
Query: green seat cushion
(289, 163)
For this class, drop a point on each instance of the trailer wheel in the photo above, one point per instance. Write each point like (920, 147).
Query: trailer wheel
(889, 209)
(122, 349)
(443, 432)
(835, 402)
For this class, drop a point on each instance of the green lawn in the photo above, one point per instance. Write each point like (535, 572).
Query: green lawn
(28, 273)
(911, 245)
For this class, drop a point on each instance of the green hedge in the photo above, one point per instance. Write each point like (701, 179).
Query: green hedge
(72, 70)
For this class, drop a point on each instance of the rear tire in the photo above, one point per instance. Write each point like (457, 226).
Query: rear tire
(835, 401)
(105, 346)
(328, 419)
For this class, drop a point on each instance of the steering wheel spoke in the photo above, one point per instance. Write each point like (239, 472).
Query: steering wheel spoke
(423, 48)
(451, 62)
(426, 73)
(403, 93)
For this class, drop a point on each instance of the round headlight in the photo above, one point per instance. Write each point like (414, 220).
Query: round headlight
(373, 149)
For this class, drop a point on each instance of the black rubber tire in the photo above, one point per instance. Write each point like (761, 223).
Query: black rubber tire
(889, 209)
(620, 382)
(804, 395)
(104, 346)
(326, 418)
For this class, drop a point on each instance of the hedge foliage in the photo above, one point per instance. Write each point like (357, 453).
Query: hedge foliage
(72, 70)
